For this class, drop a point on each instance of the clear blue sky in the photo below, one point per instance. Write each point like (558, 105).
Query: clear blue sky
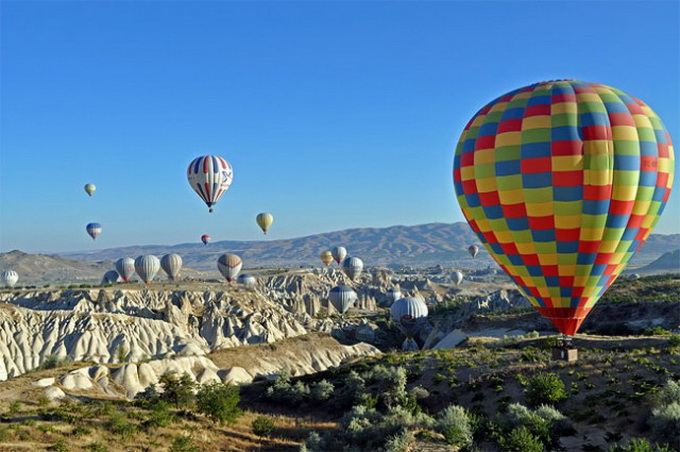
(333, 114)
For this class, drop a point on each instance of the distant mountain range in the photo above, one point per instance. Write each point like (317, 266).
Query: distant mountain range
(416, 246)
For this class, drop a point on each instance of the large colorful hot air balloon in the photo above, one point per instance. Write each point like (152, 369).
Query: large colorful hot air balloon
(205, 238)
(90, 189)
(210, 176)
(94, 229)
(9, 278)
(171, 264)
(342, 298)
(230, 266)
(563, 181)
(353, 266)
(473, 250)
(125, 268)
(327, 258)
(264, 220)
(146, 267)
(339, 253)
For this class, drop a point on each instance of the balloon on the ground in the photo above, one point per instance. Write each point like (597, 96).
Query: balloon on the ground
(457, 278)
(409, 314)
(171, 264)
(205, 238)
(327, 258)
(90, 189)
(264, 221)
(353, 266)
(473, 250)
(125, 268)
(9, 278)
(230, 266)
(146, 267)
(562, 182)
(110, 277)
(93, 230)
(342, 298)
(210, 176)
(246, 279)
(339, 253)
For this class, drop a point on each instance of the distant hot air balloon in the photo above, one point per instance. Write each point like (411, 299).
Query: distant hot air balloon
(171, 264)
(125, 268)
(339, 253)
(246, 279)
(146, 267)
(205, 238)
(9, 278)
(457, 278)
(90, 189)
(230, 266)
(562, 181)
(342, 298)
(326, 258)
(210, 176)
(635, 276)
(110, 277)
(409, 314)
(94, 229)
(264, 220)
(473, 250)
(353, 266)
(393, 295)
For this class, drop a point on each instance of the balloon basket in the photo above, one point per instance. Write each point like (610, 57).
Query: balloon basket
(565, 350)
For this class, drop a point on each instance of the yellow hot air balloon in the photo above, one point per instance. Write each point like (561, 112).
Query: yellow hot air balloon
(90, 189)
(264, 220)
(327, 258)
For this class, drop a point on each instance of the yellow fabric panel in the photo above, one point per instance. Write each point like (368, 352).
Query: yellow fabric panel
(467, 172)
(486, 185)
(641, 208)
(536, 122)
(642, 121)
(588, 97)
(625, 133)
(664, 165)
(567, 163)
(500, 106)
(598, 177)
(504, 237)
(591, 234)
(564, 107)
(609, 246)
(525, 248)
(485, 156)
(508, 139)
(547, 259)
(567, 270)
(567, 221)
(540, 209)
(511, 196)
(624, 192)
(478, 121)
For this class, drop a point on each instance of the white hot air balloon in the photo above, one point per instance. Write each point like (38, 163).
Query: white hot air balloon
(230, 266)
(247, 280)
(353, 266)
(171, 264)
(146, 267)
(457, 277)
(90, 189)
(210, 176)
(409, 314)
(339, 253)
(110, 277)
(125, 268)
(9, 278)
(342, 298)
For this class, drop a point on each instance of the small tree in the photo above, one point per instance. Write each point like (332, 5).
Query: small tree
(545, 388)
(521, 440)
(219, 401)
(263, 425)
(177, 390)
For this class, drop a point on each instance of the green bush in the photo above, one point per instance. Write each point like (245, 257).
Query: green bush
(545, 389)
(401, 442)
(454, 424)
(59, 446)
(119, 425)
(159, 416)
(520, 439)
(640, 445)
(183, 443)
(674, 340)
(96, 447)
(322, 391)
(263, 425)
(219, 401)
